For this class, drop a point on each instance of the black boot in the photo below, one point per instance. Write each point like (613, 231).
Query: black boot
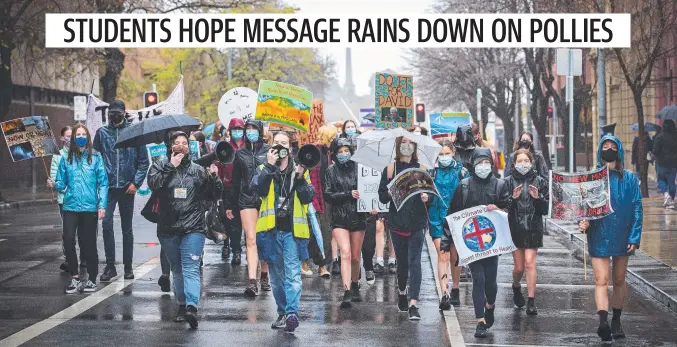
(191, 316)
(336, 267)
(517, 297)
(604, 330)
(617, 329)
(355, 289)
(445, 304)
(347, 298)
(481, 330)
(531, 307)
(180, 314)
(225, 252)
(455, 298)
(489, 316)
(237, 258)
(164, 283)
(129, 272)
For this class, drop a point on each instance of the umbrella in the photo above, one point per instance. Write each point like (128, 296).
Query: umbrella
(376, 149)
(668, 112)
(154, 130)
(647, 126)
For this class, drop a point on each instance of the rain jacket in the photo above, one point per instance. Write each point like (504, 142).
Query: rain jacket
(525, 214)
(480, 191)
(611, 235)
(465, 145)
(226, 170)
(317, 177)
(247, 159)
(85, 185)
(540, 165)
(340, 181)
(665, 147)
(446, 181)
(54, 170)
(412, 216)
(124, 165)
(179, 216)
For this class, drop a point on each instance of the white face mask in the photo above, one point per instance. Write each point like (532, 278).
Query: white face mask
(407, 149)
(483, 170)
(417, 133)
(523, 168)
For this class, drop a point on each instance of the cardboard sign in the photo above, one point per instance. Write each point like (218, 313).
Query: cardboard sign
(316, 122)
(284, 104)
(29, 138)
(368, 181)
(578, 196)
(239, 102)
(394, 102)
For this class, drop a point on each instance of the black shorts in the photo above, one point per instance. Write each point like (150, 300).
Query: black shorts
(351, 228)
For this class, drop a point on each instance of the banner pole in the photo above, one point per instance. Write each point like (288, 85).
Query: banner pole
(47, 173)
(585, 258)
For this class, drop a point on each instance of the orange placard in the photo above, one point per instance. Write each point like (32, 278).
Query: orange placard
(316, 122)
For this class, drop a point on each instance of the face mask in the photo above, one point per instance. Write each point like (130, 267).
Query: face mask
(350, 131)
(417, 133)
(483, 170)
(116, 117)
(253, 135)
(523, 168)
(407, 149)
(525, 144)
(446, 160)
(65, 141)
(81, 141)
(237, 134)
(343, 157)
(609, 155)
(282, 151)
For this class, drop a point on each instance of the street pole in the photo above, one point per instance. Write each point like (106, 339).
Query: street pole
(601, 89)
(555, 129)
(570, 98)
(479, 112)
(230, 64)
(34, 163)
(518, 103)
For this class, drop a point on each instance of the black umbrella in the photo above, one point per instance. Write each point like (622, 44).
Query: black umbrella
(154, 130)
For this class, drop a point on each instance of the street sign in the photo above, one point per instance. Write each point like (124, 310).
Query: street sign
(80, 108)
(564, 55)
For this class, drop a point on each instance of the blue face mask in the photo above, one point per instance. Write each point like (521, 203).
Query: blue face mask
(81, 141)
(446, 160)
(343, 157)
(350, 131)
(238, 134)
(253, 135)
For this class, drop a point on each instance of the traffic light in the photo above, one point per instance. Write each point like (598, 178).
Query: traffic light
(420, 113)
(149, 99)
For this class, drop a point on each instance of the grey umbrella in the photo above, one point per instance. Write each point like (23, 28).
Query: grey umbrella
(154, 130)
(668, 112)
(647, 126)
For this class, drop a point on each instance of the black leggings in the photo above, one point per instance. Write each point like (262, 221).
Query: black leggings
(369, 245)
(84, 225)
(408, 254)
(484, 287)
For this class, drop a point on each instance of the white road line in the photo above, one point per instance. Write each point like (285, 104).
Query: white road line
(78, 308)
(450, 319)
(497, 345)
(3, 240)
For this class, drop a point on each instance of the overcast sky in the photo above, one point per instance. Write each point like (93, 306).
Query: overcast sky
(366, 61)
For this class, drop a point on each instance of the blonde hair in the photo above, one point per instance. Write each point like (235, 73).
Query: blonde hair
(326, 134)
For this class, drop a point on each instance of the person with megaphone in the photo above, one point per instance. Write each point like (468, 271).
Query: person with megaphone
(282, 230)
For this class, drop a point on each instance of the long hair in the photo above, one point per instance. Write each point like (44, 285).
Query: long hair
(398, 154)
(326, 134)
(75, 150)
(516, 146)
(343, 130)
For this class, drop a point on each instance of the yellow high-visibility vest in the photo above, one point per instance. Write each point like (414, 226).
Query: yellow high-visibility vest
(266, 221)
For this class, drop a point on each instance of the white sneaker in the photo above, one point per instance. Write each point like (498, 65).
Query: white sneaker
(666, 199)
(306, 273)
(90, 287)
(74, 287)
(671, 204)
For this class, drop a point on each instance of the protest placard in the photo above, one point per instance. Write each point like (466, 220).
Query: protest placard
(316, 122)
(479, 233)
(284, 104)
(447, 122)
(367, 117)
(29, 137)
(408, 183)
(239, 102)
(577, 196)
(368, 181)
(394, 100)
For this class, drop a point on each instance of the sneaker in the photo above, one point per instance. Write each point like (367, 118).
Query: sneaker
(291, 323)
(280, 322)
(306, 272)
(455, 298)
(347, 298)
(531, 307)
(108, 273)
(324, 273)
(191, 316)
(445, 303)
(517, 297)
(164, 283)
(355, 289)
(371, 277)
(489, 316)
(336, 267)
(225, 252)
(604, 332)
(617, 330)
(64, 267)
(129, 274)
(237, 258)
(413, 313)
(74, 287)
(265, 283)
(180, 314)
(252, 289)
(379, 269)
(481, 330)
(666, 199)
(402, 303)
(90, 287)
(392, 268)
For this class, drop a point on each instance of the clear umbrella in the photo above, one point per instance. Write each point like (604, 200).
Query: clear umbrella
(376, 149)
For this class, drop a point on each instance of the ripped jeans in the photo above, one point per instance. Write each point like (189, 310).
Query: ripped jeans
(184, 253)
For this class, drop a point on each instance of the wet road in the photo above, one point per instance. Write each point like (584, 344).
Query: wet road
(137, 313)
(659, 236)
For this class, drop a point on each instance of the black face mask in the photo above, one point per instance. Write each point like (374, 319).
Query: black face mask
(609, 155)
(526, 144)
(116, 117)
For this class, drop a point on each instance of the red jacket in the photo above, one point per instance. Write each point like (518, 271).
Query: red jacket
(226, 170)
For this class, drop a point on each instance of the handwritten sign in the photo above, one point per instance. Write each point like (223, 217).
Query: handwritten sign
(284, 104)
(368, 181)
(239, 102)
(316, 121)
(394, 100)
(580, 196)
(29, 137)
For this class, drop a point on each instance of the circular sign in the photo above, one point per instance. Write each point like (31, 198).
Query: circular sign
(479, 234)
(239, 102)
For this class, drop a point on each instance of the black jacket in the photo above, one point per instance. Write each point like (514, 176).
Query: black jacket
(413, 215)
(648, 147)
(665, 147)
(124, 165)
(540, 165)
(487, 191)
(247, 159)
(260, 184)
(339, 182)
(182, 216)
(525, 214)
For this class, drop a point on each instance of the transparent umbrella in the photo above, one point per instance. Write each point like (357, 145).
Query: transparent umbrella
(376, 149)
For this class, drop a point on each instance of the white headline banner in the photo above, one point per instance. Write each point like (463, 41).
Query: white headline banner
(94, 30)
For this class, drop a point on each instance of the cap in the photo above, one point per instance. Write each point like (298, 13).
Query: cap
(117, 105)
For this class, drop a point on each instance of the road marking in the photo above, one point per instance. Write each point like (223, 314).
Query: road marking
(78, 308)
(3, 240)
(451, 320)
(497, 345)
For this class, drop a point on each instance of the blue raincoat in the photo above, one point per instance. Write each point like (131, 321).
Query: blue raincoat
(85, 185)
(446, 181)
(611, 235)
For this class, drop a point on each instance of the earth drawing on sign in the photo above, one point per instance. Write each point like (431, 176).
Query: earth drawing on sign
(479, 234)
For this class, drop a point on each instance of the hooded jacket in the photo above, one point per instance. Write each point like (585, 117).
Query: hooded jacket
(665, 146)
(611, 235)
(481, 191)
(124, 165)
(465, 145)
(525, 214)
(180, 216)
(446, 181)
(247, 159)
(340, 181)
(85, 184)
(226, 170)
